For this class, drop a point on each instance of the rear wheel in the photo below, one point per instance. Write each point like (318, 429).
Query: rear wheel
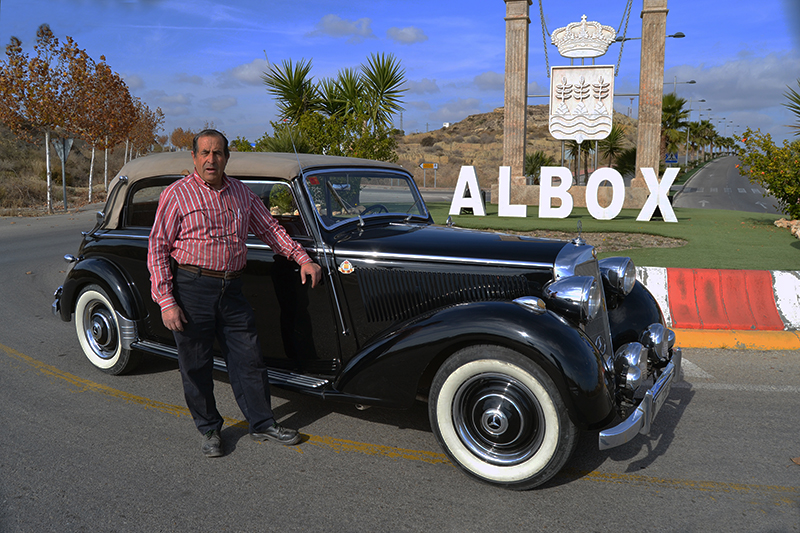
(99, 333)
(500, 418)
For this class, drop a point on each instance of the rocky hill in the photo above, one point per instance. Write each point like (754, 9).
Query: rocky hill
(478, 140)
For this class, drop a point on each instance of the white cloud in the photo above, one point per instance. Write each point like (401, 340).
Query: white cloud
(423, 86)
(335, 26)
(133, 81)
(456, 110)
(219, 103)
(490, 81)
(170, 104)
(409, 35)
(183, 77)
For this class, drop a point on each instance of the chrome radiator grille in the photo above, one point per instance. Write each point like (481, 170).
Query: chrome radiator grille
(597, 329)
(399, 294)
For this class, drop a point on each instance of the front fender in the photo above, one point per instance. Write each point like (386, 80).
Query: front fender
(389, 371)
(99, 271)
(630, 315)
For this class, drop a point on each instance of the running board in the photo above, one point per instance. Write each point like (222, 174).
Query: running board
(276, 377)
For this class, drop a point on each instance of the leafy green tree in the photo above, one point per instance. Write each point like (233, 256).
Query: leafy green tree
(534, 163)
(776, 168)
(240, 144)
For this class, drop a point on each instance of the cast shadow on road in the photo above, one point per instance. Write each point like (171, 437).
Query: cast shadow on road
(588, 458)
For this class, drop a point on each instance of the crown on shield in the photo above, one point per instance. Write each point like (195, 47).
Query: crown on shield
(583, 39)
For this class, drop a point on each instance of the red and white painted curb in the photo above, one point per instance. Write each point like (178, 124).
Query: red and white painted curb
(747, 302)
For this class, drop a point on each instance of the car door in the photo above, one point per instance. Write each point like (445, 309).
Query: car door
(296, 324)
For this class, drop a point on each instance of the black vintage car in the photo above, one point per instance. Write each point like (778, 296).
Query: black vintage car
(516, 343)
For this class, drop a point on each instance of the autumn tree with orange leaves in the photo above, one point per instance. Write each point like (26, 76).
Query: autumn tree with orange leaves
(62, 91)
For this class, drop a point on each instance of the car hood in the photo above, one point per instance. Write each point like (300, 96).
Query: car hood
(441, 243)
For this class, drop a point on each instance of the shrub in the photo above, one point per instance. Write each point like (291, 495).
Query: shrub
(774, 168)
(427, 141)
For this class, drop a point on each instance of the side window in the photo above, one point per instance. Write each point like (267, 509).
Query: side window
(279, 200)
(142, 205)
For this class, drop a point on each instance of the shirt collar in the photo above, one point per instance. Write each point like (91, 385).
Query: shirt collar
(196, 177)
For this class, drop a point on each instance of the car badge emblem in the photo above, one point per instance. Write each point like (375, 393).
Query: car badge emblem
(601, 344)
(346, 267)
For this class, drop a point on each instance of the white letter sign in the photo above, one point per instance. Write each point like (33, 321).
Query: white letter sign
(467, 180)
(547, 192)
(504, 207)
(658, 195)
(617, 195)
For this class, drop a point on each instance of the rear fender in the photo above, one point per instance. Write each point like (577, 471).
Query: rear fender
(389, 371)
(98, 271)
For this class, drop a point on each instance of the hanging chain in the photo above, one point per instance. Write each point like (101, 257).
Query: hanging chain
(625, 17)
(545, 33)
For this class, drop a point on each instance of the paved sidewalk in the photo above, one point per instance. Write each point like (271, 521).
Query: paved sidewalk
(742, 309)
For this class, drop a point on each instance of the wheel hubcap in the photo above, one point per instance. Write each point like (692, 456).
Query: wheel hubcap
(498, 419)
(101, 332)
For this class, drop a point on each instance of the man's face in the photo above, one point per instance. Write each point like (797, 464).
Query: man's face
(210, 160)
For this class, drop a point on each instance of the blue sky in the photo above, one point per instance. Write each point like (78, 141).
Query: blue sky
(201, 61)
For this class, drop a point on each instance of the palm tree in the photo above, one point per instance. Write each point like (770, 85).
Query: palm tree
(586, 148)
(626, 162)
(294, 89)
(534, 163)
(673, 120)
(611, 147)
(705, 135)
(794, 106)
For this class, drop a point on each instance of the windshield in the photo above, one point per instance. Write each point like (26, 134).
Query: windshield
(344, 195)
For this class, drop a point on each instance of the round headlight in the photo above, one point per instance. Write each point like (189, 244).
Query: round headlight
(619, 273)
(594, 300)
(578, 296)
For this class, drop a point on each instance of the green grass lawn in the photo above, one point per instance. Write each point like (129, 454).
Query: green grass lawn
(715, 238)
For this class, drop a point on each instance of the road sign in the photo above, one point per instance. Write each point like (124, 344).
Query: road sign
(671, 158)
(429, 166)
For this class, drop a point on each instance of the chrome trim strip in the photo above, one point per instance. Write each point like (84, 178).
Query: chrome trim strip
(289, 378)
(443, 259)
(642, 419)
(127, 331)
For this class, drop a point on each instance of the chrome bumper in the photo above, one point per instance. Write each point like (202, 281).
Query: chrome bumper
(642, 419)
(57, 302)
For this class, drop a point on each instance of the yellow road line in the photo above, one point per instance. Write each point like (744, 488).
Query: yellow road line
(737, 339)
(342, 445)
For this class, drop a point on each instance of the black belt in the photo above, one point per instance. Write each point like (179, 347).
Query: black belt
(221, 274)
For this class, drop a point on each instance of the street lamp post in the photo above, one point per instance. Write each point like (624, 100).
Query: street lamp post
(686, 158)
(676, 82)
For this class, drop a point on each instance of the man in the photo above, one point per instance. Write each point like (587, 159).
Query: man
(202, 224)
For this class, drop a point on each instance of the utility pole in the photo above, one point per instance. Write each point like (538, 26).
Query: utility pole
(651, 87)
(516, 85)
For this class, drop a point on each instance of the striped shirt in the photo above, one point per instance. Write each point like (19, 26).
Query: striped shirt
(201, 226)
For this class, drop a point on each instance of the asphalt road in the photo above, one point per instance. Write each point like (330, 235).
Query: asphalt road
(84, 451)
(718, 185)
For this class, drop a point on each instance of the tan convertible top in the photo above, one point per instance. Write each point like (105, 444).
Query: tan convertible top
(241, 165)
(245, 164)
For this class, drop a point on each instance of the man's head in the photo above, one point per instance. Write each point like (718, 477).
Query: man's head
(210, 154)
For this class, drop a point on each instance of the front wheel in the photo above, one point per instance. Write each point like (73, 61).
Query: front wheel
(99, 333)
(500, 417)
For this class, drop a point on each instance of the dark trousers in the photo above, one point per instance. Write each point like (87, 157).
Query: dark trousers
(217, 309)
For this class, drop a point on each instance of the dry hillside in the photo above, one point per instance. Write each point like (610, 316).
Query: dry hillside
(478, 140)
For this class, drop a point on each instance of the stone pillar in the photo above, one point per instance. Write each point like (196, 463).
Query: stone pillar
(516, 85)
(651, 87)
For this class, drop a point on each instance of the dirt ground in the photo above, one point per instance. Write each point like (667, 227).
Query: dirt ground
(610, 242)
